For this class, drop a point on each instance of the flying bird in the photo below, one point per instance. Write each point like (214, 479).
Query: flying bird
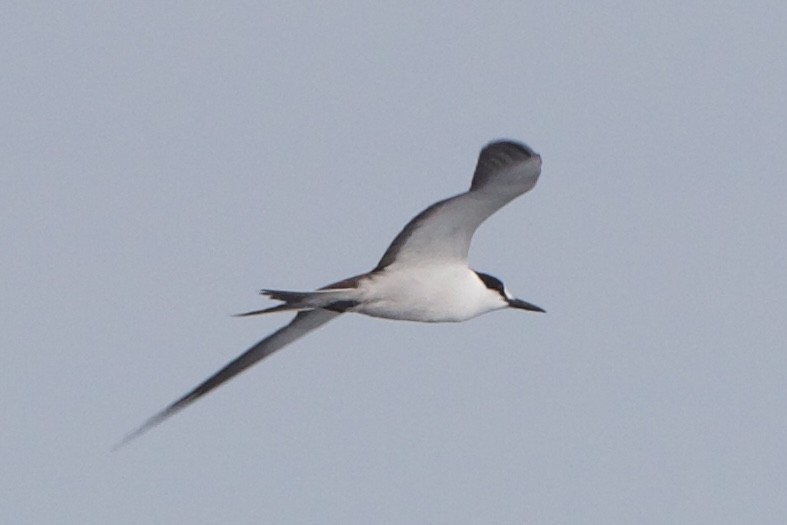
(422, 276)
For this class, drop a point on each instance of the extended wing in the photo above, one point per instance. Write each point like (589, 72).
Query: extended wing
(443, 231)
(302, 324)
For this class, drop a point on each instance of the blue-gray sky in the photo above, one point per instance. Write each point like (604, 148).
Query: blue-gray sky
(163, 161)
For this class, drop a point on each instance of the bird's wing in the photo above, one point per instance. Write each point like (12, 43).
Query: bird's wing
(302, 324)
(443, 231)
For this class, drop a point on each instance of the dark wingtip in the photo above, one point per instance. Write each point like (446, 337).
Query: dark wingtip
(521, 146)
(147, 425)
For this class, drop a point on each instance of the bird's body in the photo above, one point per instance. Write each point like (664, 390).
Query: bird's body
(430, 293)
(423, 275)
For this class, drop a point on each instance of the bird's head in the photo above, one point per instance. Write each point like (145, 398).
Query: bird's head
(496, 285)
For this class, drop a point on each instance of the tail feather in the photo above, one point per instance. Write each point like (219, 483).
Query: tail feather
(337, 299)
(272, 309)
(286, 295)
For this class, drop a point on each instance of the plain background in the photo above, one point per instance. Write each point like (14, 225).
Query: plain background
(163, 161)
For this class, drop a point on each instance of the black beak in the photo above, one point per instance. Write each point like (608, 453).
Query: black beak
(524, 305)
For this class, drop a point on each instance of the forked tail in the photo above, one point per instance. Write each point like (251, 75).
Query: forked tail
(335, 300)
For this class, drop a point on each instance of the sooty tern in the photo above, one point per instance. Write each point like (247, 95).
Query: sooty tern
(422, 276)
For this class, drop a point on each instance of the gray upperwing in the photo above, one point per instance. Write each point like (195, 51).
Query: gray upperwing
(499, 166)
(303, 323)
(445, 229)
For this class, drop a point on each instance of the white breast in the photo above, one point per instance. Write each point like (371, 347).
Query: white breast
(434, 293)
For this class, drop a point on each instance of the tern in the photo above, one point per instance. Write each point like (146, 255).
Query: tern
(422, 276)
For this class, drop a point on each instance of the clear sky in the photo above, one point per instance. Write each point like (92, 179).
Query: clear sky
(161, 162)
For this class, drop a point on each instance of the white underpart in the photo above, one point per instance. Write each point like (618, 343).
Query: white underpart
(430, 293)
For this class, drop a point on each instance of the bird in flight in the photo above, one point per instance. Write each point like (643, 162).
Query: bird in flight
(422, 276)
